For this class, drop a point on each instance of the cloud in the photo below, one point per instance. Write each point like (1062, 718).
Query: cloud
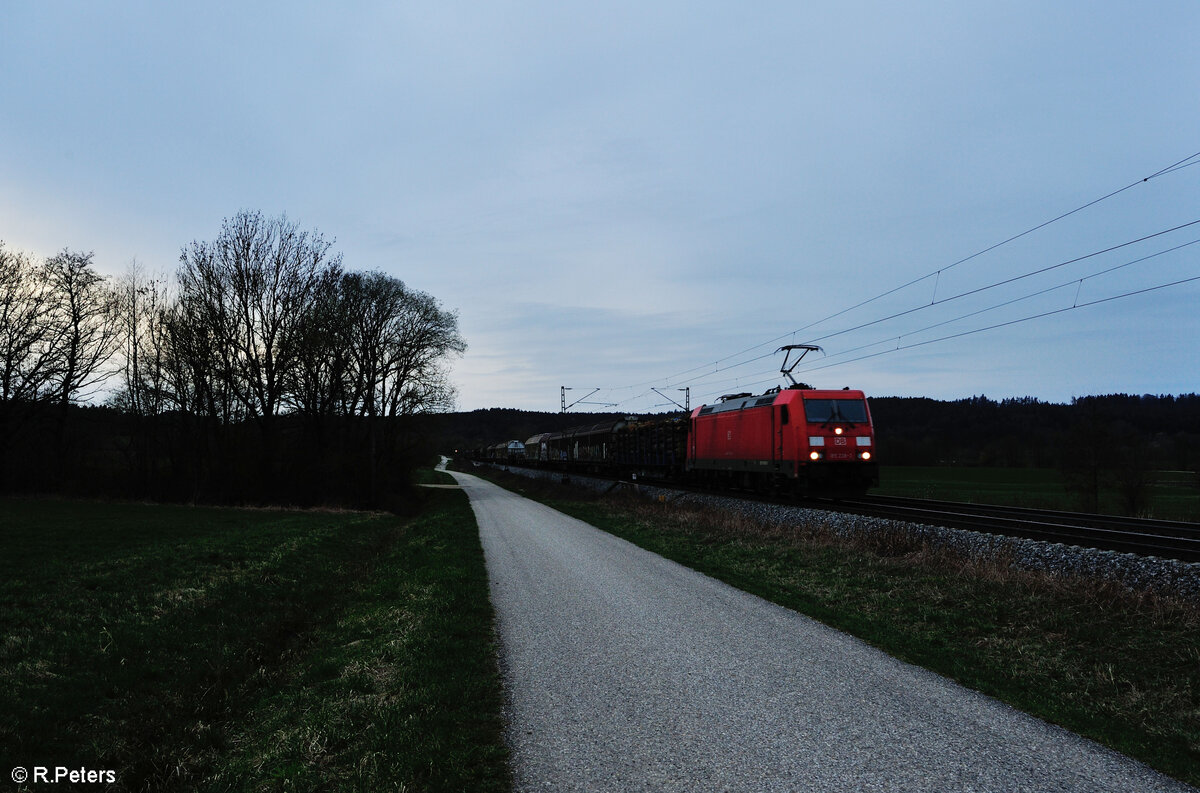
(616, 194)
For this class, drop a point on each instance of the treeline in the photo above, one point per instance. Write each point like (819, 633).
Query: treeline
(1099, 443)
(1112, 443)
(1029, 433)
(977, 431)
(266, 372)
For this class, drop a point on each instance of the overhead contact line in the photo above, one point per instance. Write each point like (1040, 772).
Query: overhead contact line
(716, 366)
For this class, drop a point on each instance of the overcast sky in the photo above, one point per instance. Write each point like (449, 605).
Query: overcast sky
(633, 195)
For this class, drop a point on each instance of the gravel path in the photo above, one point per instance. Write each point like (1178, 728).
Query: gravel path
(627, 672)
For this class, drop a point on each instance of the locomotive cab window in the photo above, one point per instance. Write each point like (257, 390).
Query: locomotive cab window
(834, 411)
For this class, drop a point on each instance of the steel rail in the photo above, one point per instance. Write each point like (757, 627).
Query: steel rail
(1168, 539)
(1146, 537)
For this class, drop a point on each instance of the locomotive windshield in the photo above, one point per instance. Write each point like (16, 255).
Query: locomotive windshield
(835, 411)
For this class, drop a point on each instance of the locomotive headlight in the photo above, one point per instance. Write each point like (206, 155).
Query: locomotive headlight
(814, 455)
(838, 430)
(865, 455)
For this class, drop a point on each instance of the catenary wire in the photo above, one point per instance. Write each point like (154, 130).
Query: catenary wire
(951, 298)
(1028, 296)
(1012, 322)
(896, 338)
(1186, 162)
(1005, 281)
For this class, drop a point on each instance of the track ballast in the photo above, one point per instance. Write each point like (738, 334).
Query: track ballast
(1147, 537)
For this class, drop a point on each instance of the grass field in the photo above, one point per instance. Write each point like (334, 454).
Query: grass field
(1118, 667)
(1173, 495)
(189, 648)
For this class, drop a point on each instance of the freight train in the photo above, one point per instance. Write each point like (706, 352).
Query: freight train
(801, 440)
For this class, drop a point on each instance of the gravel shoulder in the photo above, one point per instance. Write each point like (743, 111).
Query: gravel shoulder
(625, 671)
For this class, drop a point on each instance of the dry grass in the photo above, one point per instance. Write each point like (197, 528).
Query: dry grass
(905, 549)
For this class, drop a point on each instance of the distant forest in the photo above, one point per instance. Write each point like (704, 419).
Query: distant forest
(1114, 441)
(1098, 443)
(1161, 431)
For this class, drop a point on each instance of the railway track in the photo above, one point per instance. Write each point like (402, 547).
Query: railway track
(1164, 538)
(1147, 537)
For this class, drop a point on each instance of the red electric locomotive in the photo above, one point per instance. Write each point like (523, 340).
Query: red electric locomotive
(800, 439)
(810, 441)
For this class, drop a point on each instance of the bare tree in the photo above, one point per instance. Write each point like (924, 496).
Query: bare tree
(375, 353)
(251, 289)
(141, 312)
(374, 304)
(320, 378)
(29, 348)
(23, 365)
(416, 340)
(425, 337)
(375, 348)
(198, 376)
(398, 341)
(254, 285)
(85, 323)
